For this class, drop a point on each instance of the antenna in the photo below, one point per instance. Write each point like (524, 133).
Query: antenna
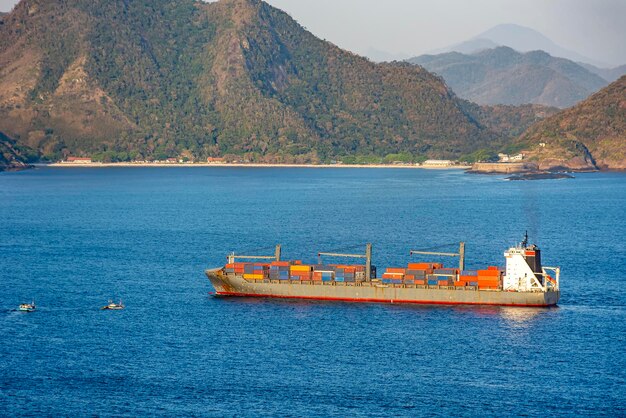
(525, 242)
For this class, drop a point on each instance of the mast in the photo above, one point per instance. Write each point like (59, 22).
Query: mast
(368, 261)
(277, 253)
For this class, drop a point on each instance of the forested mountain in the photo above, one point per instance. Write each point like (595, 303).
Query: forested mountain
(120, 79)
(505, 76)
(590, 134)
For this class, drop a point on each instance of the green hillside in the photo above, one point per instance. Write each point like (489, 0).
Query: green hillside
(142, 79)
(590, 134)
(12, 156)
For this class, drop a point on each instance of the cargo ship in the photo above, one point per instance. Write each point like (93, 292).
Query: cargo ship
(523, 281)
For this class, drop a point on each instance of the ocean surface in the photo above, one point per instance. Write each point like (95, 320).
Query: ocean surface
(73, 238)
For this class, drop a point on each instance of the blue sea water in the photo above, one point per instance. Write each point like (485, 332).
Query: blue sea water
(73, 238)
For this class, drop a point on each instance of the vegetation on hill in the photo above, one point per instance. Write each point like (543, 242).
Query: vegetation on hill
(13, 156)
(592, 133)
(505, 76)
(150, 79)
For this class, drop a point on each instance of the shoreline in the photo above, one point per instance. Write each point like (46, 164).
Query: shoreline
(252, 165)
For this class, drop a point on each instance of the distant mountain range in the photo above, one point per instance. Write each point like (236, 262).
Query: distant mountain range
(609, 74)
(518, 37)
(589, 135)
(504, 76)
(120, 80)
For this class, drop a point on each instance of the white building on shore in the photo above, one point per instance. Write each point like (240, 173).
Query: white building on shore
(438, 163)
(506, 158)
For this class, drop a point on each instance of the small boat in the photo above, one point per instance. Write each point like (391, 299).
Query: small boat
(27, 307)
(112, 306)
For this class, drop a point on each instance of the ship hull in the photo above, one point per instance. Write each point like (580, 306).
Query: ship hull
(374, 292)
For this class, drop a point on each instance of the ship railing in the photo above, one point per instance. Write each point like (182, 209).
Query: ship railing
(551, 277)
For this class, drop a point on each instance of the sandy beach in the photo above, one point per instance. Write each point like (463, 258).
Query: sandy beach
(257, 165)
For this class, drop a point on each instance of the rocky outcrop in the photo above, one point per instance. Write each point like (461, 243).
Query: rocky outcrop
(503, 168)
(12, 157)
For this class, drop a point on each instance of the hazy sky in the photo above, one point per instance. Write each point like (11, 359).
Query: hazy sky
(594, 28)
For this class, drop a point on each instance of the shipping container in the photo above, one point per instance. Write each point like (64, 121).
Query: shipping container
(254, 276)
(488, 272)
(446, 271)
(393, 276)
(300, 268)
(424, 266)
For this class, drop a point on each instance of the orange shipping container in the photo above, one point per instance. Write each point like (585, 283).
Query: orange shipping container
(482, 283)
(461, 284)
(488, 279)
(492, 268)
(395, 270)
(392, 276)
(420, 266)
(488, 272)
(420, 281)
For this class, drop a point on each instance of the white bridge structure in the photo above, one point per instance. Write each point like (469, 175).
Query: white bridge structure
(524, 272)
